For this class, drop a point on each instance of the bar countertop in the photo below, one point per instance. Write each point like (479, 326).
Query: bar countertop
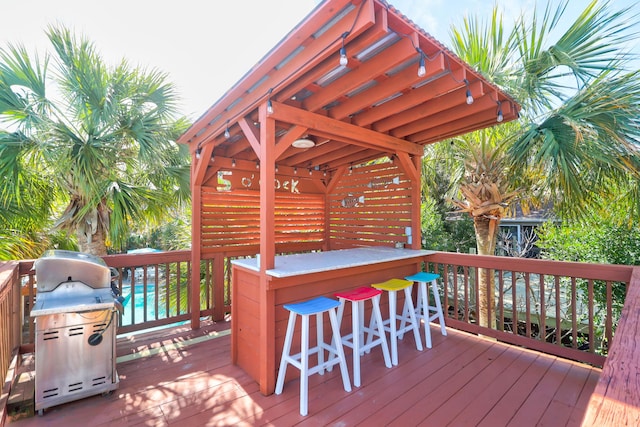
(315, 262)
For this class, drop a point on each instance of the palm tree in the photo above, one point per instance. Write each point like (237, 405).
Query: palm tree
(98, 141)
(578, 128)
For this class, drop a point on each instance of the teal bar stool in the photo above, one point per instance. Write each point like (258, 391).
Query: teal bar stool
(407, 316)
(305, 309)
(428, 312)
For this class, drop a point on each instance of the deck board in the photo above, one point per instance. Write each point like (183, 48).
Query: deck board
(183, 377)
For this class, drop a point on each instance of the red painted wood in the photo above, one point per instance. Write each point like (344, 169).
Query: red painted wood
(616, 399)
(196, 384)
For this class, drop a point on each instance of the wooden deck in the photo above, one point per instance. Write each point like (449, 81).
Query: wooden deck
(185, 377)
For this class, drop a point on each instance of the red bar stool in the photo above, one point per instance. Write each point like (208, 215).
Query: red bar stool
(423, 309)
(316, 306)
(407, 317)
(355, 339)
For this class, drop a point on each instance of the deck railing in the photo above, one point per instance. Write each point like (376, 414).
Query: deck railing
(9, 329)
(548, 306)
(155, 288)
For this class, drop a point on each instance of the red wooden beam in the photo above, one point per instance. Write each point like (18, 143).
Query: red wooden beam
(343, 131)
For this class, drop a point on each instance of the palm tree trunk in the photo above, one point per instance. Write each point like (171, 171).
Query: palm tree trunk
(486, 232)
(94, 244)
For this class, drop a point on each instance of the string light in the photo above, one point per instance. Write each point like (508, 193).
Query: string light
(468, 94)
(233, 163)
(422, 69)
(227, 134)
(269, 104)
(198, 152)
(350, 169)
(343, 51)
(295, 171)
(500, 116)
(257, 165)
(310, 172)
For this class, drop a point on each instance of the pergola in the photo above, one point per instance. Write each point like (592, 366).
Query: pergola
(355, 82)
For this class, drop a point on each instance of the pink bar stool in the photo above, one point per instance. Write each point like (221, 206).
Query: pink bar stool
(423, 309)
(355, 339)
(407, 317)
(305, 309)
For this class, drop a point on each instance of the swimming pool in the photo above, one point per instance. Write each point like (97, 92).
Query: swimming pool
(139, 297)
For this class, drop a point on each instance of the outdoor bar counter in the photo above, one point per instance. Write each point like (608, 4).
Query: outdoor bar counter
(259, 321)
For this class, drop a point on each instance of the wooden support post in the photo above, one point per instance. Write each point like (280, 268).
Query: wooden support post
(266, 344)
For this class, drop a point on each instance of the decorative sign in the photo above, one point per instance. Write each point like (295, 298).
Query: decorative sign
(352, 201)
(383, 182)
(231, 180)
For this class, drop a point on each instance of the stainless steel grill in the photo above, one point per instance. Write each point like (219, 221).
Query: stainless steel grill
(76, 321)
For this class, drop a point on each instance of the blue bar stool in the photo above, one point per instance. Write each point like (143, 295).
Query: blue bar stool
(305, 309)
(355, 339)
(423, 308)
(407, 317)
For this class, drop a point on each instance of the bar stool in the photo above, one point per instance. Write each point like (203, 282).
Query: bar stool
(355, 339)
(423, 308)
(407, 317)
(306, 309)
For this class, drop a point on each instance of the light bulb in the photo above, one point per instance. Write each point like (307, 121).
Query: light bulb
(469, 97)
(343, 57)
(227, 134)
(422, 69)
(198, 151)
(500, 116)
(269, 107)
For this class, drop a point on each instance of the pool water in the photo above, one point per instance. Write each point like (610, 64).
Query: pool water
(139, 298)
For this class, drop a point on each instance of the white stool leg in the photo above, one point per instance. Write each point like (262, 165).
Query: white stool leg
(355, 327)
(343, 302)
(424, 302)
(304, 367)
(284, 361)
(393, 336)
(320, 342)
(436, 296)
(377, 315)
(412, 315)
(361, 326)
(338, 340)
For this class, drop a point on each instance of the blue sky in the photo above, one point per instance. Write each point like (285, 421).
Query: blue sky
(207, 46)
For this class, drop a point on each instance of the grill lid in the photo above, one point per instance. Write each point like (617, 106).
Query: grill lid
(58, 266)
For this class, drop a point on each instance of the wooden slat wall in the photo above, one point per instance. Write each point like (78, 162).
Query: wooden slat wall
(371, 206)
(232, 219)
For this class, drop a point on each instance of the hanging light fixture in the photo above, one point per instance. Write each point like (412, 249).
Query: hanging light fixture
(343, 51)
(269, 104)
(227, 134)
(500, 117)
(468, 94)
(198, 152)
(422, 69)
(304, 142)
